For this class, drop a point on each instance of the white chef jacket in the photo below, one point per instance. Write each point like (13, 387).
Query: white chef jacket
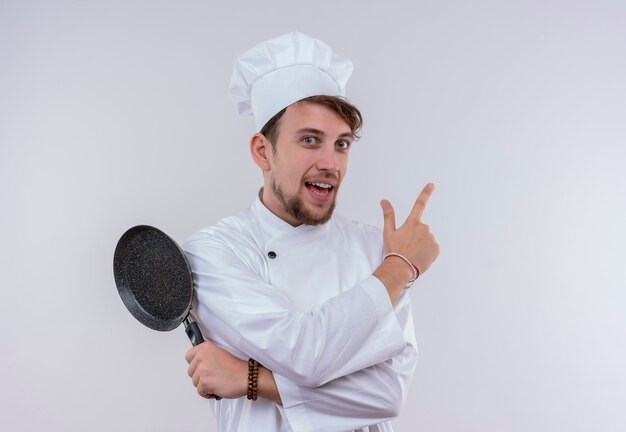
(303, 302)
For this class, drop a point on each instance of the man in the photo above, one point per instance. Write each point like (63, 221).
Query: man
(318, 304)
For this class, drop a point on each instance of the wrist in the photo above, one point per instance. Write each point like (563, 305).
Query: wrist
(414, 270)
(267, 386)
(394, 274)
(253, 379)
(399, 267)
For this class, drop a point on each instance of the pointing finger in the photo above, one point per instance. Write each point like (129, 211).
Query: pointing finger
(422, 200)
(390, 218)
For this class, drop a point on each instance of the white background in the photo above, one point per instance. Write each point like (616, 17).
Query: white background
(116, 113)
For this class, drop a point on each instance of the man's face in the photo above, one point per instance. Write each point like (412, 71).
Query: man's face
(307, 164)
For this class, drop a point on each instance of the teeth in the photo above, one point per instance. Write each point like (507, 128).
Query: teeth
(322, 185)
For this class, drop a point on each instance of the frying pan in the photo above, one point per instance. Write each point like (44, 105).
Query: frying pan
(154, 281)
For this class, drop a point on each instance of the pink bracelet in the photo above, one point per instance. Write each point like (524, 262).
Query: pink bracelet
(414, 269)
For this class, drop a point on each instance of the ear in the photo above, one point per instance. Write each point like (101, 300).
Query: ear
(260, 150)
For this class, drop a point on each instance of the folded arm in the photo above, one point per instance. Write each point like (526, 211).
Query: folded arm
(365, 397)
(372, 395)
(242, 313)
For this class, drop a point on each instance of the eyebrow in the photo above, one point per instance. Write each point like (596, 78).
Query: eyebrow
(322, 133)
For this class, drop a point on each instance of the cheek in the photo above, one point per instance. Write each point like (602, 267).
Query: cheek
(290, 168)
(287, 177)
(294, 177)
(296, 170)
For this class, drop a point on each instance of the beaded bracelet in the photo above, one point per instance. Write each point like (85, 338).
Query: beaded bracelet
(253, 379)
(414, 269)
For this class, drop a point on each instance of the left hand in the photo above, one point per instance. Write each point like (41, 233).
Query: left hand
(215, 371)
(413, 239)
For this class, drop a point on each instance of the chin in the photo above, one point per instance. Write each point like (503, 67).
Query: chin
(319, 215)
(309, 216)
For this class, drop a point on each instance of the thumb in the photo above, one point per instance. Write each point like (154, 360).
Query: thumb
(390, 218)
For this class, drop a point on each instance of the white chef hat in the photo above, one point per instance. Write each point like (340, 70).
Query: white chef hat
(278, 72)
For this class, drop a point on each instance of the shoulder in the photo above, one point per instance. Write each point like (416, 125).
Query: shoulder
(230, 233)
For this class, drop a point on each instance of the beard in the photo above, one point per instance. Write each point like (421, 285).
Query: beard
(296, 209)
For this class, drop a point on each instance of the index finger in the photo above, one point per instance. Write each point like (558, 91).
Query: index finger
(422, 200)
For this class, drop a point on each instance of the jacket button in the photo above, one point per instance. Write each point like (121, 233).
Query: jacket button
(271, 254)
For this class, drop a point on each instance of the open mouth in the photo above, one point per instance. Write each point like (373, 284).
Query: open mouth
(319, 189)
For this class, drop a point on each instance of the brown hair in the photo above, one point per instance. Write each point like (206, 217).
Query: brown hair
(348, 113)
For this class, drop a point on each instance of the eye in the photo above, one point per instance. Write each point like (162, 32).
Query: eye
(343, 144)
(309, 140)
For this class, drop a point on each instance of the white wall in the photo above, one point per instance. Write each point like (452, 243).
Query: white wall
(115, 113)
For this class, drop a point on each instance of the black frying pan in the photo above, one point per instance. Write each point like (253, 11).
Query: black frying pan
(154, 281)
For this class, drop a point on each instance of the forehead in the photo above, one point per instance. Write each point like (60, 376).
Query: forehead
(312, 116)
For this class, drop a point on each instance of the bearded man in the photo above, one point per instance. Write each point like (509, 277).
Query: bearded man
(307, 314)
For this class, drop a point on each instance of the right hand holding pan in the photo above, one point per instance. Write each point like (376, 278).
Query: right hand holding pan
(214, 370)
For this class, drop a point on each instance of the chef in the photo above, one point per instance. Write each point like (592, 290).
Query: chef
(307, 315)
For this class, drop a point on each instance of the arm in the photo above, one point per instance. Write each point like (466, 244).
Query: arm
(214, 370)
(374, 394)
(239, 311)
(369, 396)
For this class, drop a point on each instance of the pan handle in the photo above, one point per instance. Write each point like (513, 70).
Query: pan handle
(193, 331)
(195, 336)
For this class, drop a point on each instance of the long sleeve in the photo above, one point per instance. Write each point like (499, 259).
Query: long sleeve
(369, 396)
(241, 311)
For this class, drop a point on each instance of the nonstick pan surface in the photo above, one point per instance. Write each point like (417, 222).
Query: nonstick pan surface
(153, 277)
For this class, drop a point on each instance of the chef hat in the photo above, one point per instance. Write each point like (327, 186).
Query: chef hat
(278, 72)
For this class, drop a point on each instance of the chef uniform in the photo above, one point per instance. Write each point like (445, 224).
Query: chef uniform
(303, 302)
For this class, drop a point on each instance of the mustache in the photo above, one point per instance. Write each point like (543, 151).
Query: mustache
(326, 175)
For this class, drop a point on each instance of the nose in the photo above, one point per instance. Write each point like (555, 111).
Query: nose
(328, 159)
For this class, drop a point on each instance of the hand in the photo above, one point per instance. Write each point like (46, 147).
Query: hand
(413, 239)
(215, 371)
